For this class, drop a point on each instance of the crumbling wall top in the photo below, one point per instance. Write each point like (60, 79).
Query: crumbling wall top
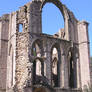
(5, 17)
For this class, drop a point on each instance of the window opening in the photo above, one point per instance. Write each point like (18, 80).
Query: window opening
(54, 67)
(20, 27)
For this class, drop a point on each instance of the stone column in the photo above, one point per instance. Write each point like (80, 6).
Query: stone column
(47, 56)
(48, 66)
(66, 79)
(64, 71)
(78, 73)
(84, 52)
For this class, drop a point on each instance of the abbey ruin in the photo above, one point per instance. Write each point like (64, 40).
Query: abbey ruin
(31, 61)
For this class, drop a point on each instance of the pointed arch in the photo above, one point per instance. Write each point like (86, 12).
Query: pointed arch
(57, 3)
(55, 60)
(37, 48)
(65, 13)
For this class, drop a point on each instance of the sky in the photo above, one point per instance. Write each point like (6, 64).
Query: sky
(52, 19)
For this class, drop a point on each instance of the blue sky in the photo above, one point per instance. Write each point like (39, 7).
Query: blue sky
(52, 19)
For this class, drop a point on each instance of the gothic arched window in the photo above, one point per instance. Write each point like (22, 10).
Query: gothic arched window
(55, 67)
(37, 48)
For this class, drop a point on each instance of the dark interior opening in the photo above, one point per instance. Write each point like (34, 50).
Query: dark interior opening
(54, 73)
(71, 77)
(72, 71)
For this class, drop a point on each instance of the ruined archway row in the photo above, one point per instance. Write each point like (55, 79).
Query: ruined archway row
(57, 60)
(30, 18)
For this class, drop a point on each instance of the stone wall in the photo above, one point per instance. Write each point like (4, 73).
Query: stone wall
(11, 63)
(84, 52)
(22, 60)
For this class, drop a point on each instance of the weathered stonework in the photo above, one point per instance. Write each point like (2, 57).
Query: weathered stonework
(91, 70)
(31, 61)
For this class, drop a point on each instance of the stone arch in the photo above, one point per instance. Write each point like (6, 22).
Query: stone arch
(37, 48)
(57, 3)
(72, 67)
(64, 11)
(36, 9)
(55, 60)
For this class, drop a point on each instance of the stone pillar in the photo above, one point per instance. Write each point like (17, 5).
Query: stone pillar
(4, 28)
(47, 56)
(78, 73)
(34, 17)
(64, 71)
(66, 29)
(84, 55)
(66, 79)
(48, 66)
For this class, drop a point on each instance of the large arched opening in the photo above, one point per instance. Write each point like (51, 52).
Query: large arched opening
(52, 19)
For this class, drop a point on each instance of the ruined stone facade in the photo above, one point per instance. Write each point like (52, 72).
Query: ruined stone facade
(31, 61)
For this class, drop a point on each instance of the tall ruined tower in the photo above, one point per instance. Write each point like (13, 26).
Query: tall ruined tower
(31, 61)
